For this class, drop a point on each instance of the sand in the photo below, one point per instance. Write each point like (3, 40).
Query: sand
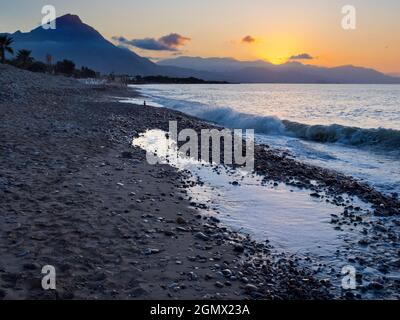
(75, 194)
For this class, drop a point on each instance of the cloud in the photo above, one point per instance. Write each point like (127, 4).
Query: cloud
(170, 42)
(150, 44)
(303, 56)
(248, 39)
(174, 40)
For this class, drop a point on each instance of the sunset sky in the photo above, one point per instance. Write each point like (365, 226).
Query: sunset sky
(243, 29)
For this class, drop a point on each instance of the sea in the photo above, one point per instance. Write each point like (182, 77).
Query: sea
(353, 129)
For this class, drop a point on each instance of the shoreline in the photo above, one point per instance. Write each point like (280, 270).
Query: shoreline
(375, 228)
(79, 197)
(76, 196)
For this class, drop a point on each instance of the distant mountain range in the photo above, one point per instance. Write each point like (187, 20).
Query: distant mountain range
(79, 42)
(291, 72)
(219, 65)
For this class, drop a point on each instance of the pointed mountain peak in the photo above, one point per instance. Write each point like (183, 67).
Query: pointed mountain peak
(69, 19)
(68, 27)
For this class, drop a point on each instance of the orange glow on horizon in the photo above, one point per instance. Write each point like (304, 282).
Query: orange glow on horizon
(278, 49)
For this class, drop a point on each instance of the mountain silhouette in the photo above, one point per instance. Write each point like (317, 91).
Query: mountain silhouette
(74, 40)
(261, 71)
(213, 64)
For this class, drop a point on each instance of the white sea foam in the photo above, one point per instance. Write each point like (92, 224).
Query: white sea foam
(354, 129)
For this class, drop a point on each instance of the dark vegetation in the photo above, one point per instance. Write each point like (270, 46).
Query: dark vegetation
(5, 46)
(24, 60)
(171, 80)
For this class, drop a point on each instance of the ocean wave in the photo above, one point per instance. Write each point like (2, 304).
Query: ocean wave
(387, 139)
(226, 116)
(379, 138)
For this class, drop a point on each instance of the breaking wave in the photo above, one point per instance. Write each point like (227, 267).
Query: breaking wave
(387, 139)
(381, 138)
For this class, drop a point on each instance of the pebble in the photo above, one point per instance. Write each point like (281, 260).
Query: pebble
(127, 155)
(180, 220)
(193, 276)
(150, 251)
(238, 248)
(250, 288)
(227, 272)
(208, 276)
(201, 236)
(169, 233)
(244, 280)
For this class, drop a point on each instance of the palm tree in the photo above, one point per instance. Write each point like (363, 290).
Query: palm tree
(24, 59)
(5, 45)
